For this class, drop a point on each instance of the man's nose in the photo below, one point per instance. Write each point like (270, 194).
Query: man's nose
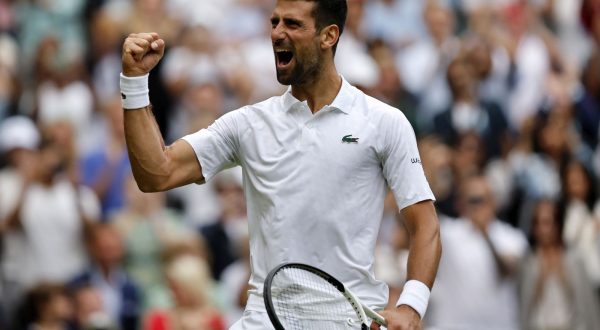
(277, 33)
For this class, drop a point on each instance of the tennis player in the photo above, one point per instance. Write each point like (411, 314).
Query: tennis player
(316, 161)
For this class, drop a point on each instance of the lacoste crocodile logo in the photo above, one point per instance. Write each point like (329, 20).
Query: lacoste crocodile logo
(349, 139)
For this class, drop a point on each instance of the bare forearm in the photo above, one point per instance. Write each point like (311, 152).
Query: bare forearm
(506, 266)
(425, 245)
(157, 167)
(424, 258)
(146, 149)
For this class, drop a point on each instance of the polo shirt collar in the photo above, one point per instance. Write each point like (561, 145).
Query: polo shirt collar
(343, 101)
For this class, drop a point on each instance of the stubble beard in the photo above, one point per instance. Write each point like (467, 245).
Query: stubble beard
(304, 72)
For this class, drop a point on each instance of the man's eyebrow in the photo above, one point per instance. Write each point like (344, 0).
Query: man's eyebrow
(288, 21)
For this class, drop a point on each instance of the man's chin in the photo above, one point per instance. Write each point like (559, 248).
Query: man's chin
(284, 79)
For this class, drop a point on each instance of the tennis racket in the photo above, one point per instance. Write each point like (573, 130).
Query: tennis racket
(299, 296)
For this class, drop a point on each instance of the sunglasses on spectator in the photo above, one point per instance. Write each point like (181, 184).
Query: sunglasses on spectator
(476, 200)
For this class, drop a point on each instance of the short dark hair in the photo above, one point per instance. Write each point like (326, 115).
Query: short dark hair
(330, 12)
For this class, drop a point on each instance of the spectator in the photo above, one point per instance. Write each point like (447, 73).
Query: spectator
(437, 162)
(468, 113)
(222, 237)
(587, 106)
(537, 167)
(90, 313)
(530, 64)
(476, 285)
(105, 169)
(120, 295)
(423, 65)
(46, 307)
(151, 15)
(19, 139)
(60, 91)
(488, 60)
(390, 87)
(53, 212)
(189, 281)
(104, 56)
(398, 23)
(582, 228)
(235, 277)
(56, 19)
(555, 291)
(148, 228)
(467, 160)
(352, 58)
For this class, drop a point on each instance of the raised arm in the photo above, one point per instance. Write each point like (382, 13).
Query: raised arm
(156, 167)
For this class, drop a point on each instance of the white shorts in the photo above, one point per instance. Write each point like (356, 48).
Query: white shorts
(253, 320)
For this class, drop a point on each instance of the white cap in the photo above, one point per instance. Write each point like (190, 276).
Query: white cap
(18, 132)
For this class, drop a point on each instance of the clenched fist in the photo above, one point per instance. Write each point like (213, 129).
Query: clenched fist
(141, 53)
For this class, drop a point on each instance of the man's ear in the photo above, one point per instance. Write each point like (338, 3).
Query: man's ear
(329, 36)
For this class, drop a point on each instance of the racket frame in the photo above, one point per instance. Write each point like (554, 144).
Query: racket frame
(362, 311)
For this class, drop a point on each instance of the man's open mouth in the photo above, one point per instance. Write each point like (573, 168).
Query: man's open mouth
(284, 57)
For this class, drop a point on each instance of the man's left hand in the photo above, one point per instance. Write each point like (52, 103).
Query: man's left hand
(400, 318)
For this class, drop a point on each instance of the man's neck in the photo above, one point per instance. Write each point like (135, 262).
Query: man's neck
(320, 92)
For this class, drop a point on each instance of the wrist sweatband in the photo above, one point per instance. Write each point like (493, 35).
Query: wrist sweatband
(134, 92)
(416, 295)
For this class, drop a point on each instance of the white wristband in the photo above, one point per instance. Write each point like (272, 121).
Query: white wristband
(416, 295)
(134, 92)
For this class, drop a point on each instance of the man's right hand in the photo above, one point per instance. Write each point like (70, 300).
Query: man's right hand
(141, 53)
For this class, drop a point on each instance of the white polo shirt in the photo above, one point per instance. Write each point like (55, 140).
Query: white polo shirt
(315, 183)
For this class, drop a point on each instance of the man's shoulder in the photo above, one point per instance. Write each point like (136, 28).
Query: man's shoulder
(268, 105)
(389, 121)
(378, 109)
(272, 101)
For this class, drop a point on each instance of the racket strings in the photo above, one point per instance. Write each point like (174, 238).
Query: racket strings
(303, 300)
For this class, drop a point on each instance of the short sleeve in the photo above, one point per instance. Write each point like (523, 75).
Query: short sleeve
(401, 161)
(217, 146)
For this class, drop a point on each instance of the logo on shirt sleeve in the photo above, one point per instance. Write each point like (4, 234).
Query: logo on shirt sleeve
(415, 160)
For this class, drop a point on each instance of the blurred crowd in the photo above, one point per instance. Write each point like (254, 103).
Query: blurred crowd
(504, 96)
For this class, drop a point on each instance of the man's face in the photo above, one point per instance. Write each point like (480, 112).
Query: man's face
(107, 247)
(295, 42)
(477, 202)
